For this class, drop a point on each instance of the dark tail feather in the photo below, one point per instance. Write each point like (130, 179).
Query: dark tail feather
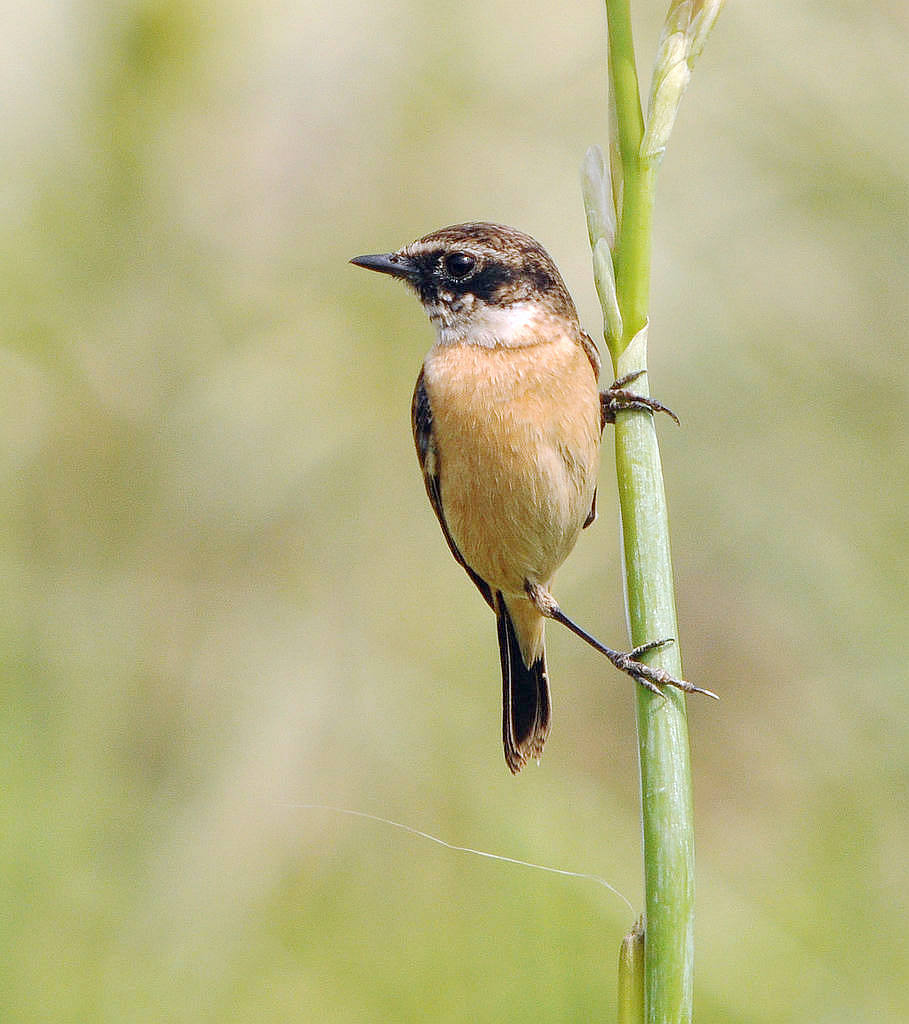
(526, 708)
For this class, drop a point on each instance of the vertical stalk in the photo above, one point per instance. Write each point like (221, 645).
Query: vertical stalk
(666, 801)
(632, 247)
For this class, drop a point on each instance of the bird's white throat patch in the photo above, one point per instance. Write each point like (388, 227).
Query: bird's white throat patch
(467, 321)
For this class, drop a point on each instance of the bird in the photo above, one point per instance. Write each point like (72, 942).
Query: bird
(507, 419)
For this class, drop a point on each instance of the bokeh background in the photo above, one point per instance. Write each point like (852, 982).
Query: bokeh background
(224, 595)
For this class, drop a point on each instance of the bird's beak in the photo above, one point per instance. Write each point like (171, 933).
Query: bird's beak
(393, 263)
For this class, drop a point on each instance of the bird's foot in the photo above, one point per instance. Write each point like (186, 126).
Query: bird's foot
(617, 397)
(649, 676)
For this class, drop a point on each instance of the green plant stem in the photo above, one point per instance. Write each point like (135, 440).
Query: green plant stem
(633, 241)
(624, 75)
(632, 254)
(631, 977)
(666, 802)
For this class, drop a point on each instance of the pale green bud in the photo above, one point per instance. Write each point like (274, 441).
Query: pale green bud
(685, 30)
(664, 106)
(673, 49)
(604, 276)
(597, 189)
(701, 24)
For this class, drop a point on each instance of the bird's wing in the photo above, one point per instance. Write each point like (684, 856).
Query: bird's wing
(592, 514)
(591, 351)
(593, 354)
(421, 417)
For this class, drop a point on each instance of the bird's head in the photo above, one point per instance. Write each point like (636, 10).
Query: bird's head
(481, 284)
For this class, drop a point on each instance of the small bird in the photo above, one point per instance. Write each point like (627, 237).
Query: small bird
(507, 419)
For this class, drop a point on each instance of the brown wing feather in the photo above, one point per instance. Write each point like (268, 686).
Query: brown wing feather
(591, 351)
(421, 418)
(593, 354)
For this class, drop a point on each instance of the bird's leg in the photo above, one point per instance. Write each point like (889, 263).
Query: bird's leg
(617, 397)
(626, 661)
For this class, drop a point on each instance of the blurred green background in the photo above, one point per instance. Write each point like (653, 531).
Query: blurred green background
(223, 591)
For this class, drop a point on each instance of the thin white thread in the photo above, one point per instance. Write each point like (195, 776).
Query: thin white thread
(464, 849)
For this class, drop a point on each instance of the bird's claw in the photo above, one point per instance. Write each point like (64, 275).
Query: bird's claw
(617, 397)
(653, 678)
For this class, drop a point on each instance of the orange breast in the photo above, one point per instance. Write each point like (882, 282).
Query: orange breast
(517, 434)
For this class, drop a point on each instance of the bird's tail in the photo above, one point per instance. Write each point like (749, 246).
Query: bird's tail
(526, 707)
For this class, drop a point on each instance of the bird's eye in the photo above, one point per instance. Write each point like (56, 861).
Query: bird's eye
(459, 264)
